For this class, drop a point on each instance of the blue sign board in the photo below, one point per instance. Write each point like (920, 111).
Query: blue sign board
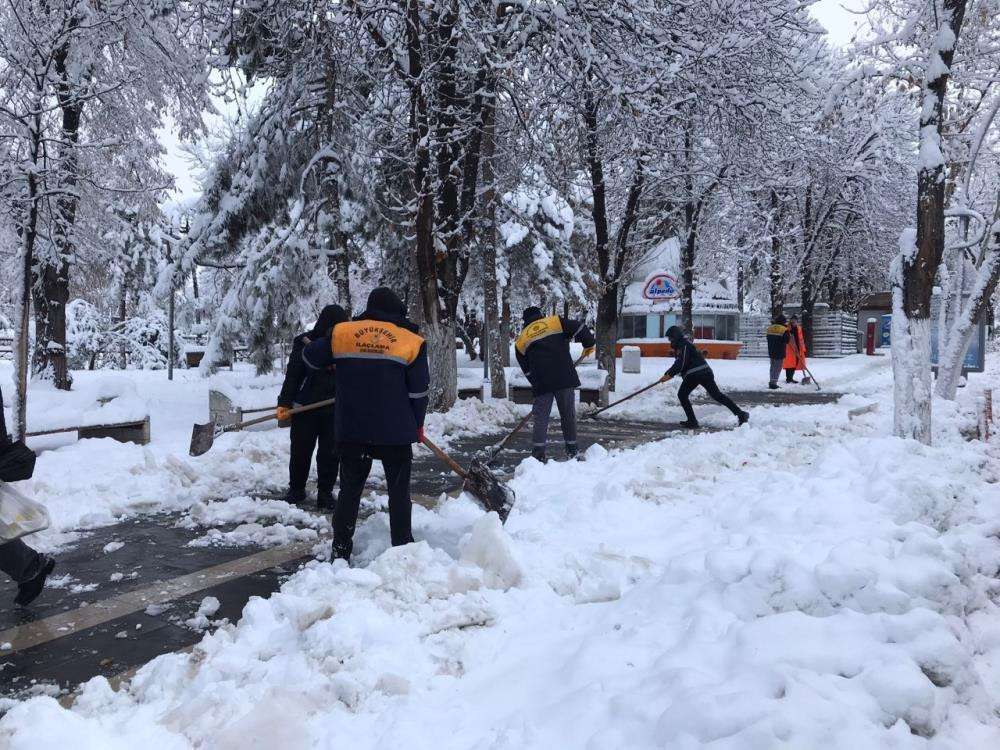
(975, 355)
(885, 330)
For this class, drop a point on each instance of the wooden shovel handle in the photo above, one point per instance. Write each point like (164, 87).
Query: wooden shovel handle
(452, 464)
(269, 417)
(623, 400)
(499, 446)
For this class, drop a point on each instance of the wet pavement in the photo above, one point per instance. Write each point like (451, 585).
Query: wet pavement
(97, 622)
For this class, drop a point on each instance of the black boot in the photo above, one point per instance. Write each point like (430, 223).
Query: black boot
(324, 500)
(341, 551)
(538, 454)
(773, 386)
(29, 590)
(690, 424)
(571, 451)
(295, 496)
(743, 417)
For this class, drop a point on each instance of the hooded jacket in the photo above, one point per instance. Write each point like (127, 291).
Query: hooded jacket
(687, 359)
(777, 338)
(542, 351)
(303, 385)
(382, 373)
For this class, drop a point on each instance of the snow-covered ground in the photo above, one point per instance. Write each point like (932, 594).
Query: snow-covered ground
(806, 581)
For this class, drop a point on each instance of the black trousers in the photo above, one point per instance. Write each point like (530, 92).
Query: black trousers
(19, 561)
(308, 430)
(705, 379)
(789, 374)
(355, 465)
(541, 409)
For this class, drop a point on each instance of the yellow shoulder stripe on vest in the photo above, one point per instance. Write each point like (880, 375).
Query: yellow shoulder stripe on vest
(375, 339)
(776, 329)
(539, 329)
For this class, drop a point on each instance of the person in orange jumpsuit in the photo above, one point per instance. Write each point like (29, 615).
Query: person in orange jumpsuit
(795, 352)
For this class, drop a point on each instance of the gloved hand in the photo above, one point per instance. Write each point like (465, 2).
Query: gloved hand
(420, 434)
(282, 413)
(588, 351)
(666, 377)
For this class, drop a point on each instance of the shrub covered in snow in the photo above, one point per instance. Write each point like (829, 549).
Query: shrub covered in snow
(95, 341)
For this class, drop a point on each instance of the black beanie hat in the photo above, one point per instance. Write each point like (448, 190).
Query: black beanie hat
(781, 319)
(531, 314)
(387, 301)
(675, 334)
(329, 316)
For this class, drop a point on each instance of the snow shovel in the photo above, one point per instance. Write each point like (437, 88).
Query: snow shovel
(811, 377)
(479, 482)
(203, 435)
(489, 455)
(805, 369)
(593, 414)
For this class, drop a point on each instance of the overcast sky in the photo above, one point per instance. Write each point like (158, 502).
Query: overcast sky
(834, 15)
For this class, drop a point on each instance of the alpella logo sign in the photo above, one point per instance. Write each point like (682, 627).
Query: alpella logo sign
(661, 286)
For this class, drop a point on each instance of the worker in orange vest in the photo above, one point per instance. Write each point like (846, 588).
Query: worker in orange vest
(795, 353)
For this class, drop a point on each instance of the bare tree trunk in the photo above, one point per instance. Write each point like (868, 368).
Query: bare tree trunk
(951, 355)
(807, 284)
(122, 306)
(916, 266)
(505, 326)
(436, 329)
(607, 304)
(492, 324)
(52, 273)
(197, 295)
(22, 351)
(777, 293)
(339, 267)
(688, 249)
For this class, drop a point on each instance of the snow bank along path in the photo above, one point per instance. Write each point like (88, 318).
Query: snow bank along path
(805, 582)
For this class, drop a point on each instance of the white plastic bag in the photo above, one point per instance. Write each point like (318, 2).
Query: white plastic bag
(19, 514)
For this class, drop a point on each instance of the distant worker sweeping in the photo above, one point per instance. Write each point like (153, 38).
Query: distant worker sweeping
(694, 372)
(542, 351)
(795, 352)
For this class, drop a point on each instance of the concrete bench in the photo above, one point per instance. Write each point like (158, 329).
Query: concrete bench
(193, 359)
(520, 394)
(594, 387)
(137, 432)
(469, 391)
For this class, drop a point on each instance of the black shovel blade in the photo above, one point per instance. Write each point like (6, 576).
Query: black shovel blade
(488, 455)
(482, 484)
(202, 438)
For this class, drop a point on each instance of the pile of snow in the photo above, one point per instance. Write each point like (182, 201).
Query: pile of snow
(806, 581)
(248, 393)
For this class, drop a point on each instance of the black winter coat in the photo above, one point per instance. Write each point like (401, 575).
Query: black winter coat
(777, 340)
(383, 379)
(542, 351)
(303, 385)
(687, 360)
